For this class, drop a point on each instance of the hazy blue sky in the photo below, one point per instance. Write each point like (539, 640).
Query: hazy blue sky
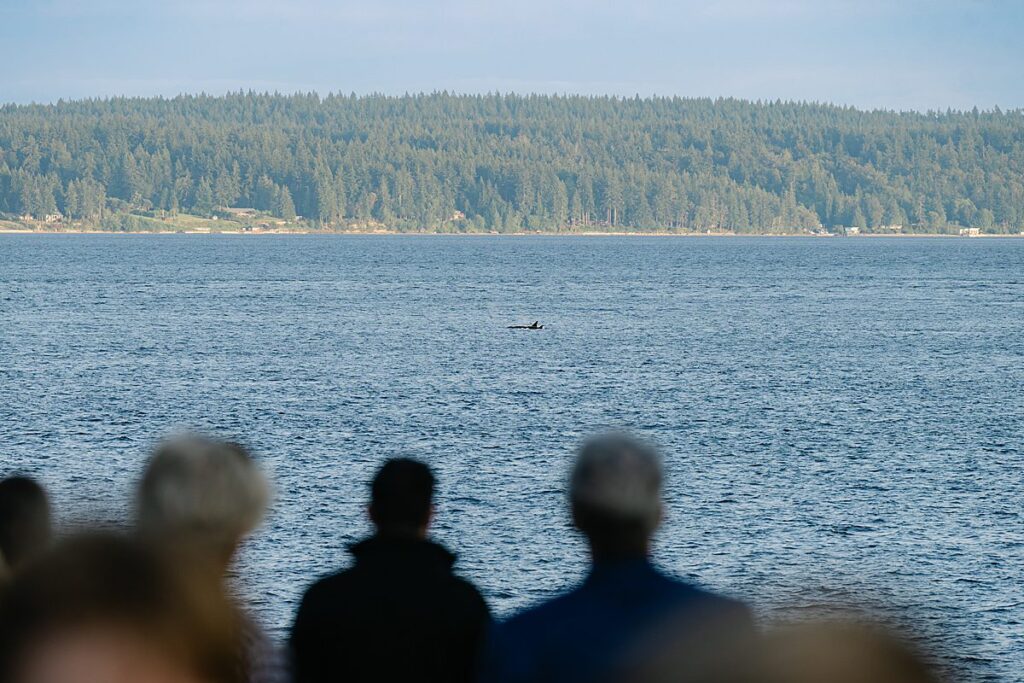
(902, 54)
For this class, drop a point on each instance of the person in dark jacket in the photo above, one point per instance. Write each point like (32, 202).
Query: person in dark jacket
(628, 621)
(400, 613)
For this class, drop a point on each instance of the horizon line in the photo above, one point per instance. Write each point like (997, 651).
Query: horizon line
(444, 92)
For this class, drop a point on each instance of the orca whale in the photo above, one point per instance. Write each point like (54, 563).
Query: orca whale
(534, 326)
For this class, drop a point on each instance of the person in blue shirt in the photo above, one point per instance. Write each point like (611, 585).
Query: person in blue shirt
(627, 621)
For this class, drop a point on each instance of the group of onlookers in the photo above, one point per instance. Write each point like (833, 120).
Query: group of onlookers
(153, 605)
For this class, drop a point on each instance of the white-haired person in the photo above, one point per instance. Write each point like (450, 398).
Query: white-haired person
(198, 499)
(627, 620)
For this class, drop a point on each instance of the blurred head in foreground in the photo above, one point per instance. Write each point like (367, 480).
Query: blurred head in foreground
(201, 494)
(103, 609)
(840, 652)
(24, 521)
(811, 652)
(402, 498)
(615, 494)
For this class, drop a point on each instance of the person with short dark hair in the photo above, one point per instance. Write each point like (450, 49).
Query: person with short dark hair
(401, 498)
(104, 608)
(627, 621)
(399, 613)
(25, 524)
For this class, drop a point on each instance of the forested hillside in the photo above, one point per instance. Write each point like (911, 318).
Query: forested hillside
(445, 162)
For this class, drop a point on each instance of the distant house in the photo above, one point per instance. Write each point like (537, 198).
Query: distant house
(240, 211)
(851, 231)
(53, 217)
(970, 232)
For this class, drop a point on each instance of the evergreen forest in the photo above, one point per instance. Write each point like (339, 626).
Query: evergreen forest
(509, 163)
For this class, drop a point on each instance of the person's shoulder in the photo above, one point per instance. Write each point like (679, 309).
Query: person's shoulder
(707, 601)
(463, 584)
(726, 606)
(328, 586)
(466, 592)
(515, 645)
(545, 613)
(325, 602)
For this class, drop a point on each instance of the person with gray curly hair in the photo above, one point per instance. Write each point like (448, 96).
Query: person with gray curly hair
(202, 493)
(197, 500)
(627, 621)
(615, 496)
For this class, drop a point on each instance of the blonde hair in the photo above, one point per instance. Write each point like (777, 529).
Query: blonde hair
(104, 580)
(843, 651)
(201, 490)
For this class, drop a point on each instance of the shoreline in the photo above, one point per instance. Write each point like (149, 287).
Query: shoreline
(591, 233)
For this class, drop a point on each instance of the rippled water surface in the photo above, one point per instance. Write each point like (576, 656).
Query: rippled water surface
(842, 419)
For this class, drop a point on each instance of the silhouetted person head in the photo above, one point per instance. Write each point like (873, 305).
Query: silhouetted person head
(24, 521)
(615, 493)
(402, 498)
(105, 609)
(202, 494)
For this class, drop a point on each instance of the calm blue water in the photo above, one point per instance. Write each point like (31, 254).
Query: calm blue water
(842, 419)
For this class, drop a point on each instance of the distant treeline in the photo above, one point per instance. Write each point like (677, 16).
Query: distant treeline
(509, 162)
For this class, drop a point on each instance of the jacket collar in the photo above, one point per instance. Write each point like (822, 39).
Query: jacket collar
(620, 569)
(401, 549)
